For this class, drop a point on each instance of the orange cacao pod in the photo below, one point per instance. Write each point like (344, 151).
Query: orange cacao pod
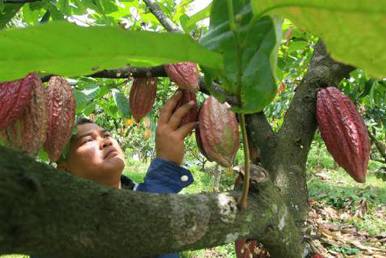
(343, 131)
(142, 96)
(185, 75)
(61, 116)
(28, 132)
(192, 115)
(218, 132)
(14, 97)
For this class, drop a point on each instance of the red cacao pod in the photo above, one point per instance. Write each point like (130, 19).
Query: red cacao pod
(218, 132)
(28, 132)
(142, 96)
(61, 116)
(343, 131)
(14, 97)
(185, 75)
(192, 115)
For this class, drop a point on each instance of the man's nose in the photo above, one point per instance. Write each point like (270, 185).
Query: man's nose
(105, 143)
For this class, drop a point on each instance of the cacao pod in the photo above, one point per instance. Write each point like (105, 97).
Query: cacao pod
(142, 96)
(218, 132)
(192, 115)
(343, 131)
(14, 97)
(28, 132)
(61, 116)
(184, 74)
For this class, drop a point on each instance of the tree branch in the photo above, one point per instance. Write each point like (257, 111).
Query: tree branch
(20, 1)
(156, 71)
(161, 17)
(381, 147)
(287, 163)
(261, 137)
(300, 123)
(53, 214)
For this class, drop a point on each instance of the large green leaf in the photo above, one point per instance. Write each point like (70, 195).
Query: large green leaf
(69, 50)
(353, 30)
(249, 52)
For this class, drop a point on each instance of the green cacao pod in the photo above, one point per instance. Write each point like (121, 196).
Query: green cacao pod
(192, 115)
(142, 96)
(61, 116)
(343, 131)
(14, 97)
(184, 74)
(218, 132)
(28, 132)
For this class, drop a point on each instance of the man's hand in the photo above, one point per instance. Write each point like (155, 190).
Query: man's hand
(170, 135)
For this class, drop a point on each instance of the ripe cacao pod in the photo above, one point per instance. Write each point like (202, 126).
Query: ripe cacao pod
(218, 132)
(28, 132)
(343, 131)
(192, 115)
(142, 96)
(184, 74)
(61, 116)
(14, 97)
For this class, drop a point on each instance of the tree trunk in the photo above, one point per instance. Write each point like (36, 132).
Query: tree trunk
(50, 213)
(284, 154)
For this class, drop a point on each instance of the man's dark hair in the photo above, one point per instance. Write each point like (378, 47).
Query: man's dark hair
(84, 120)
(79, 121)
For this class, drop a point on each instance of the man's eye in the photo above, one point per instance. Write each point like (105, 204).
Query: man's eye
(87, 140)
(107, 135)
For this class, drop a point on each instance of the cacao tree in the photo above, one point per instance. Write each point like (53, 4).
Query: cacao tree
(52, 214)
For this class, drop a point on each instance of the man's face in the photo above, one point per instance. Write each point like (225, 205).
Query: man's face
(95, 155)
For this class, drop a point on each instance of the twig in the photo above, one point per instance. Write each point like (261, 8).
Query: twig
(381, 147)
(161, 17)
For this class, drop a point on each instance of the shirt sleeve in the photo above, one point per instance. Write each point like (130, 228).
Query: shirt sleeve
(165, 177)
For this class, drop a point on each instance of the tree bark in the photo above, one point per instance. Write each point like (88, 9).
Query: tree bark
(284, 154)
(50, 213)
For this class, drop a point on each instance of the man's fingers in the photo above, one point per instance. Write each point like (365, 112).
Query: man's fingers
(175, 119)
(186, 129)
(167, 109)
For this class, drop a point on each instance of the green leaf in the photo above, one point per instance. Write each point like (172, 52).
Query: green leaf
(121, 102)
(69, 50)
(249, 54)
(190, 22)
(7, 12)
(353, 30)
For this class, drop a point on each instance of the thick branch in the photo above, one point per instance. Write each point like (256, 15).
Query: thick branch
(161, 17)
(300, 123)
(53, 214)
(261, 137)
(287, 165)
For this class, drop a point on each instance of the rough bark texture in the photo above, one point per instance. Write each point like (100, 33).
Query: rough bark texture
(284, 154)
(53, 214)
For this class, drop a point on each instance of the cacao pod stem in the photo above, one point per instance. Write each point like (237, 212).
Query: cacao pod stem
(243, 201)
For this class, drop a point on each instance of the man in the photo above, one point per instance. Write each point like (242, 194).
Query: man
(95, 155)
